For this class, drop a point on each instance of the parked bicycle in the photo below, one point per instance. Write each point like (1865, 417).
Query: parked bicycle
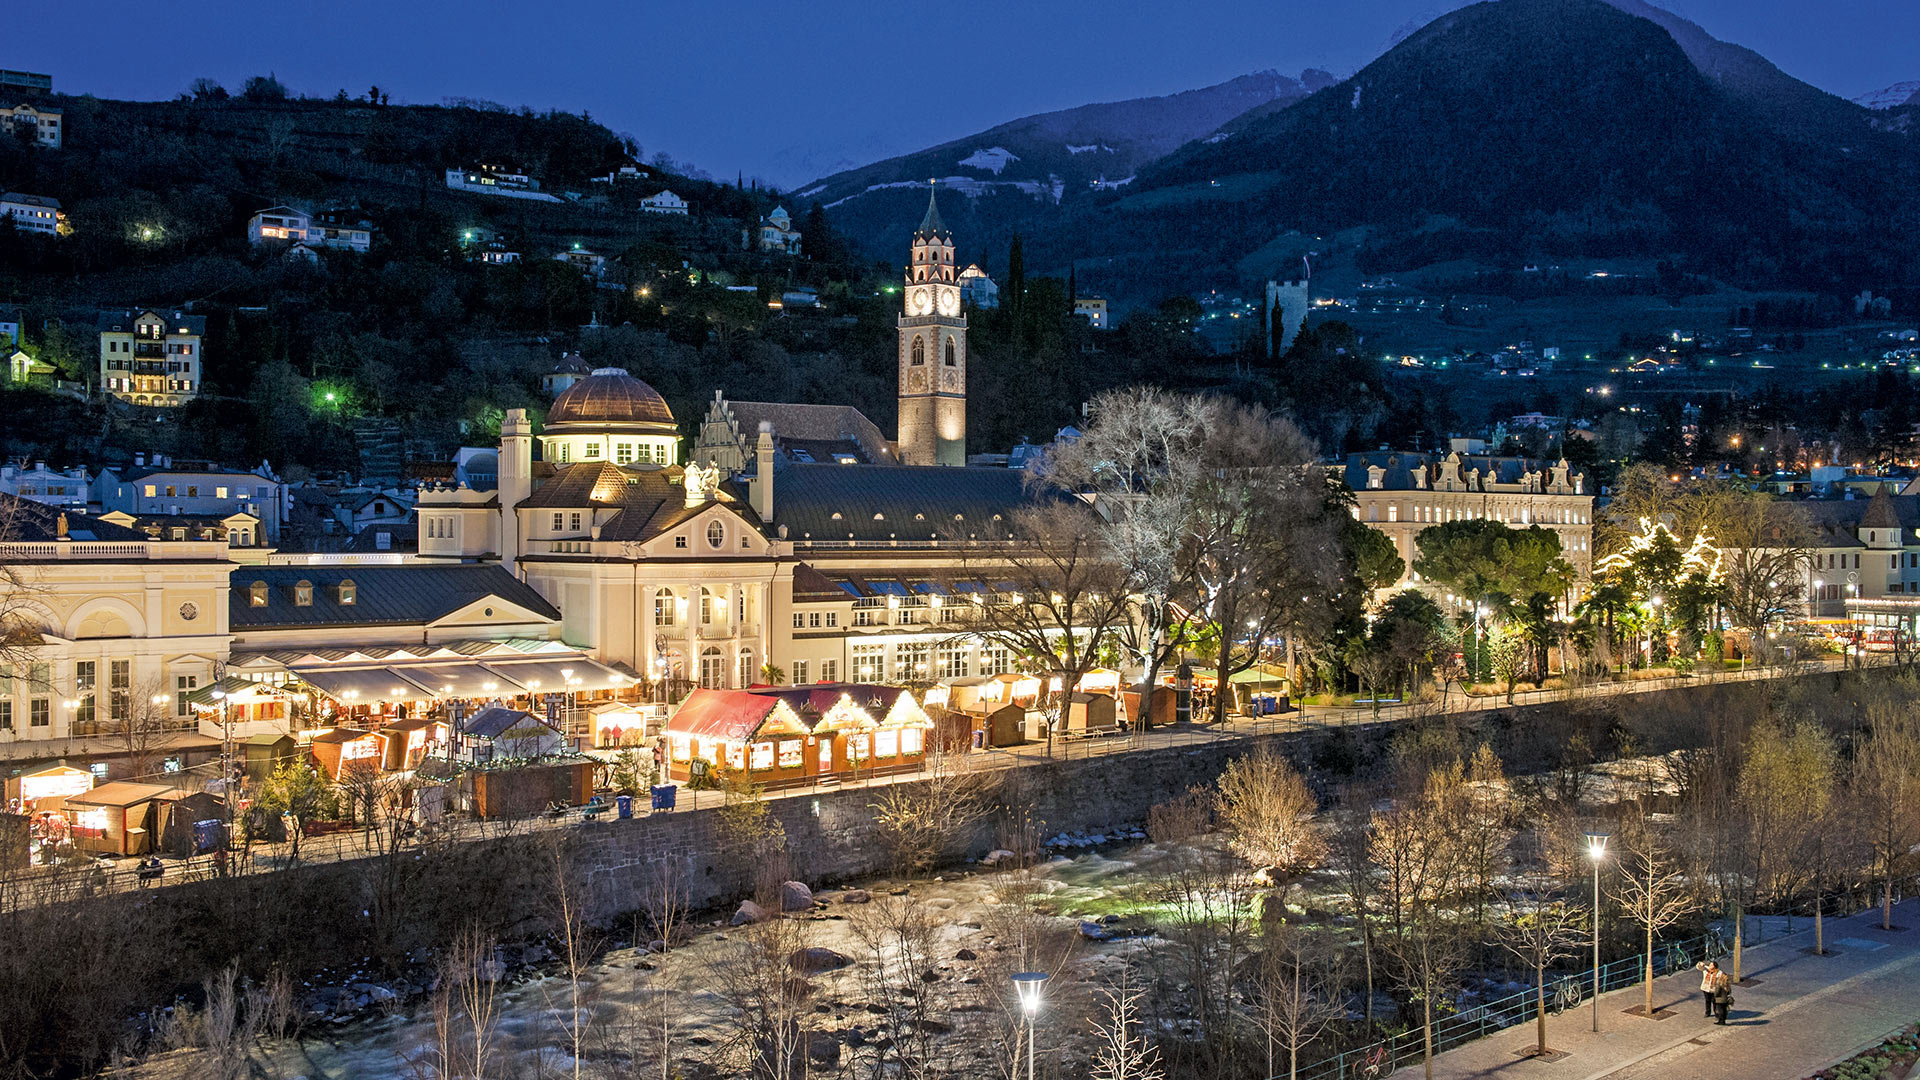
(1566, 995)
(1374, 1064)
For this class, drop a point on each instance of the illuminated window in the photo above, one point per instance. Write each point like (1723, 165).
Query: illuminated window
(663, 609)
(829, 671)
(912, 740)
(303, 593)
(919, 352)
(761, 756)
(257, 594)
(886, 744)
(792, 753)
(349, 593)
(800, 672)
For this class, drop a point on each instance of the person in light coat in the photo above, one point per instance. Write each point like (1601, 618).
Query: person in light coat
(1709, 974)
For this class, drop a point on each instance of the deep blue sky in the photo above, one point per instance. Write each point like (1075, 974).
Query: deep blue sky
(788, 90)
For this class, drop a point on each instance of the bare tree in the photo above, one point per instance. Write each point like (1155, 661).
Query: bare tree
(1059, 597)
(1541, 935)
(1414, 843)
(466, 1009)
(1298, 992)
(1886, 798)
(755, 975)
(1120, 1051)
(920, 820)
(1268, 811)
(898, 935)
(572, 1010)
(1654, 893)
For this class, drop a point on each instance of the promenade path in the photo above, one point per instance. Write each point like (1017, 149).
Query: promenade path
(1797, 1014)
(361, 844)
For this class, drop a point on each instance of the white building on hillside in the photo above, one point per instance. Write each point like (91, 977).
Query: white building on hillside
(664, 202)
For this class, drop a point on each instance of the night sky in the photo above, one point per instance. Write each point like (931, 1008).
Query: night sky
(790, 91)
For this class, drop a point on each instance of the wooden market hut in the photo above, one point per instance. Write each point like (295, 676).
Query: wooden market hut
(782, 736)
(1088, 713)
(334, 750)
(404, 743)
(175, 817)
(53, 782)
(117, 818)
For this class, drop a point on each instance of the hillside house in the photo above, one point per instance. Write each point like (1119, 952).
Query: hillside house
(42, 121)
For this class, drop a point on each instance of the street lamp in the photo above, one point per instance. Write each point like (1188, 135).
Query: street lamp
(1028, 985)
(1597, 851)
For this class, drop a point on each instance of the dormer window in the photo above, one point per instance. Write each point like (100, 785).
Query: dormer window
(348, 593)
(257, 594)
(303, 593)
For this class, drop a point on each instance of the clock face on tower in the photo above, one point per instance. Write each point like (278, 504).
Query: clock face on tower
(949, 302)
(920, 302)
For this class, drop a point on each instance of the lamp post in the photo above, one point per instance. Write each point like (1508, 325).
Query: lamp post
(226, 756)
(1597, 851)
(1028, 985)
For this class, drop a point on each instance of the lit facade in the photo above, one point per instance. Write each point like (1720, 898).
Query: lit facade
(932, 351)
(151, 357)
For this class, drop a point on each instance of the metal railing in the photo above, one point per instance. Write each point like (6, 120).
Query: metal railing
(1477, 1021)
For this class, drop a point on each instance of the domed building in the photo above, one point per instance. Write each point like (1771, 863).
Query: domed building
(610, 416)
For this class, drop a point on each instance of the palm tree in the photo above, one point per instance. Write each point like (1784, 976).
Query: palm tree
(1604, 606)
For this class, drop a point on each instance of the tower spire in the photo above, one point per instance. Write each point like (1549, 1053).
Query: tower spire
(931, 225)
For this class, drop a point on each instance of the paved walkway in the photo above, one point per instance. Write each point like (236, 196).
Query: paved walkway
(1798, 1014)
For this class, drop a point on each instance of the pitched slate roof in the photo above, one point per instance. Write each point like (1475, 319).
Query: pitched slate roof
(810, 586)
(496, 720)
(887, 502)
(796, 425)
(383, 595)
(27, 521)
(1400, 466)
(650, 500)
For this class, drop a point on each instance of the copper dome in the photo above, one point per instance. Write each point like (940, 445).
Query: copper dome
(610, 396)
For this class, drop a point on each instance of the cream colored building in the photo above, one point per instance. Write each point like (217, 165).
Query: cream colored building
(121, 629)
(1400, 493)
(45, 123)
(151, 357)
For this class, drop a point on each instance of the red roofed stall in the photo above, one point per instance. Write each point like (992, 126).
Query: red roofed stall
(781, 736)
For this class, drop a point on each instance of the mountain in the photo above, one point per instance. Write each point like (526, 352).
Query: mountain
(1900, 93)
(1752, 79)
(1519, 128)
(1028, 167)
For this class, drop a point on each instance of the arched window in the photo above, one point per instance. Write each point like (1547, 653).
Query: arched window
(953, 355)
(664, 605)
(713, 669)
(919, 351)
(257, 594)
(348, 593)
(303, 593)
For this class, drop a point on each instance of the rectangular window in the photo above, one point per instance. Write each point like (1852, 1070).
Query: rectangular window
(995, 660)
(39, 712)
(558, 520)
(813, 620)
(886, 743)
(6, 714)
(120, 688)
(869, 663)
(760, 756)
(183, 687)
(85, 681)
(591, 451)
(863, 617)
(799, 620)
(829, 671)
(573, 522)
(623, 453)
(193, 491)
(857, 747)
(800, 673)
(679, 541)
(663, 609)
(833, 618)
(953, 663)
(910, 663)
(912, 740)
(792, 753)
(150, 490)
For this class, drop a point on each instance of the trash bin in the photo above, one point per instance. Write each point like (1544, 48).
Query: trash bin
(664, 795)
(209, 835)
(623, 806)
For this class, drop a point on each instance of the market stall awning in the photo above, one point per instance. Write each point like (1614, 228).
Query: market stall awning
(724, 714)
(363, 684)
(549, 676)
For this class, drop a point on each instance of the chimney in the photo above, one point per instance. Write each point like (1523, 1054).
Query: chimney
(760, 488)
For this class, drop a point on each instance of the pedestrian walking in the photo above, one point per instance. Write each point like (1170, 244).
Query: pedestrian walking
(1709, 973)
(1722, 997)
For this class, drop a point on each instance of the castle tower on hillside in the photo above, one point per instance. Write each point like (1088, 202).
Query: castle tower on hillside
(933, 351)
(1287, 303)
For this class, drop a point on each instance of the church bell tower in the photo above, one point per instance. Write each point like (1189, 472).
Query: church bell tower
(933, 351)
